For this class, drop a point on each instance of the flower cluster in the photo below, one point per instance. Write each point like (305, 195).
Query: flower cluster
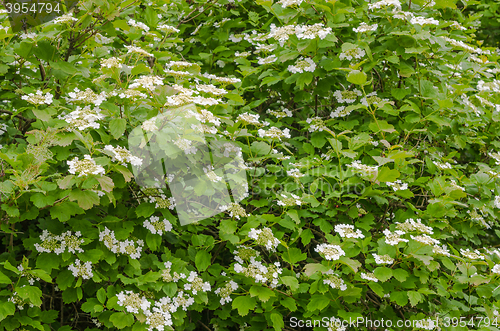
(370, 172)
(289, 200)
(274, 133)
(38, 98)
(383, 259)
(398, 185)
(86, 166)
(195, 284)
(363, 27)
(81, 270)
(127, 247)
(347, 231)
(235, 210)
(264, 237)
(226, 291)
(334, 280)
(160, 199)
(312, 31)
(414, 225)
(260, 272)
(347, 96)
(330, 252)
(394, 238)
(302, 65)
(58, 244)
(354, 53)
(87, 96)
(156, 226)
(122, 155)
(316, 124)
(83, 118)
(147, 82)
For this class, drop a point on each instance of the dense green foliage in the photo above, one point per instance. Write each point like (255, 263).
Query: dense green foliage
(370, 135)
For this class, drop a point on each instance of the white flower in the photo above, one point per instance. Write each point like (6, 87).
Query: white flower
(475, 255)
(393, 238)
(168, 28)
(302, 65)
(365, 28)
(369, 276)
(425, 239)
(312, 31)
(441, 250)
(137, 50)
(356, 53)
(398, 185)
(330, 252)
(496, 202)
(264, 237)
(423, 21)
(295, 173)
(156, 226)
(347, 231)
(66, 18)
(138, 25)
(289, 3)
(385, 3)
(496, 269)
(442, 166)
(334, 280)
(122, 155)
(383, 259)
(38, 98)
(347, 96)
(147, 82)
(267, 60)
(85, 167)
(274, 132)
(85, 270)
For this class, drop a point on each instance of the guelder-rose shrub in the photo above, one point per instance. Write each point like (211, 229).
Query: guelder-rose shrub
(369, 133)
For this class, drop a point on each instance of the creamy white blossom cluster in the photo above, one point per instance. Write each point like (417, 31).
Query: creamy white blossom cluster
(347, 96)
(372, 99)
(81, 270)
(83, 118)
(317, 30)
(121, 154)
(289, 3)
(332, 279)
(281, 34)
(394, 238)
(234, 209)
(127, 247)
(316, 124)
(185, 145)
(168, 28)
(330, 252)
(137, 50)
(210, 173)
(496, 269)
(274, 133)
(147, 82)
(414, 225)
(38, 98)
(222, 80)
(461, 44)
(65, 19)
(288, 200)
(347, 231)
(280, 113)
(156, 226)
(196, 284)
(385, 3)
(302, 65)
(369, 276)
(370, 172)
(295, 173)
(58, 243)
(383, 259)
(150, 125)
(495, 156)
(112, 62)
(425, 239)
(264, 237)
(247, 118)
(84, 167)
(441, 250)
(260, 272)
(25, 273)
(341, 111)
(496, 201)
(442, 166)
(87, 96)
(153, 195)
(226, 291)
(267, 60)
(168, 276)
(473, 255)
(138, 25)
(100, 39)
(397, 185)
(353, 53)
(493, 86)
(363, 27)
(423, 20)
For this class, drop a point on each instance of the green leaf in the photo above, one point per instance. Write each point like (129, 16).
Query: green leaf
(377, 288)
(106, 183)
(145, 210)
(244, 304)
(32, 293)
(414, 297)
(41, 200)
(85, 198)
(304, 79)
(101, 295)
(117, 127)
(400, 274)
(383, 273)
(290, 281)
(289, 303)
(42, 274)
(277, 320)
(202, 260)
(386, 174)
(260, 148)
(351, 263)
(4, 279)
(121, 320)
(6, 308)
(294, 255)
(263, 293)
(357, 77)
(318, 302)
